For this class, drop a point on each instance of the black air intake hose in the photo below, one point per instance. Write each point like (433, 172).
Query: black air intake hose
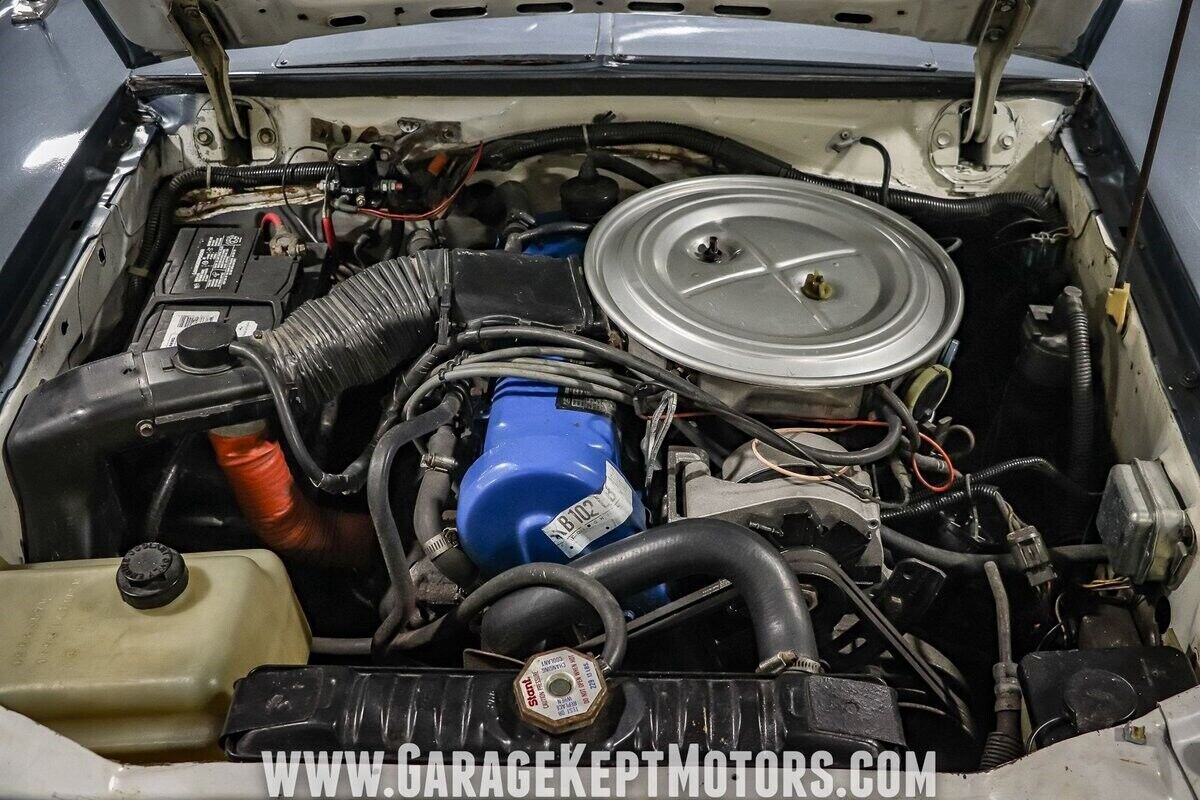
(160, 220)
(783, 629)
(739, 157)
(362, 329)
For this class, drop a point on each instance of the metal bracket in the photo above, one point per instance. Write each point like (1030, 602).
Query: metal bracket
(198, 34)
(1116, 306)
(999, 36)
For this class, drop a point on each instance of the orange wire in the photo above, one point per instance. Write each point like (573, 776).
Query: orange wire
(437, 210)
(945, 457)
(929, 440)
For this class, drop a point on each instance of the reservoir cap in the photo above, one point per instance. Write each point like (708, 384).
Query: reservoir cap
(204, 347)
(151, 575)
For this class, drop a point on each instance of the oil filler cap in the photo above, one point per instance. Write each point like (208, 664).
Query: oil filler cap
(151, 575)
(560, 690)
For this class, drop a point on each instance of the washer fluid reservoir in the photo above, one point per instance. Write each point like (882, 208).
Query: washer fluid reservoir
(145, 683)
(548, 485)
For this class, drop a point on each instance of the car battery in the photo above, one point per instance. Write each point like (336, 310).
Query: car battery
(216, 274)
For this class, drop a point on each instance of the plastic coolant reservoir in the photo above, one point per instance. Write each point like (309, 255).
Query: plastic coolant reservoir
(548, 484)
(143, 685)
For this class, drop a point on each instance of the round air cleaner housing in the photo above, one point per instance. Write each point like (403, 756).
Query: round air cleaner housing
(771, 282)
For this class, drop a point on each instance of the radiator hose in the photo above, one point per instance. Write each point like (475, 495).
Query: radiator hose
(738, 157)
(433, 495)
(783, 629)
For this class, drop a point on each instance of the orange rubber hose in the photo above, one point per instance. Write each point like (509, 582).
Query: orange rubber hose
(282, 516)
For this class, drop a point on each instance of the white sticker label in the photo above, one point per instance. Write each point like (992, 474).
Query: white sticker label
(246, 327)
(180, 320)
(581, 523)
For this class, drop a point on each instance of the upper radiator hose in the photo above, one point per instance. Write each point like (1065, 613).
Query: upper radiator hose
(742, 158)
(283, 516)
(361, 329)
(783, 629)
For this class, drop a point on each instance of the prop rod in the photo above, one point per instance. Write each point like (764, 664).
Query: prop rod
(1156, 124)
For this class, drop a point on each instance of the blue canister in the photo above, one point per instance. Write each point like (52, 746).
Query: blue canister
(548, 485)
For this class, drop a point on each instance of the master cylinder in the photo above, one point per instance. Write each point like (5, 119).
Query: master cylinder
(548, 485)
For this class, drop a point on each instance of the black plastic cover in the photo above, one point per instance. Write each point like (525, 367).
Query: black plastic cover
(69, 428)
(498, 286)
(1069, 692)
(381, 708)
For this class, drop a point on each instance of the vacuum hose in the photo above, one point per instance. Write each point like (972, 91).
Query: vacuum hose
(783, 628)
(973, 563)
(739, 157)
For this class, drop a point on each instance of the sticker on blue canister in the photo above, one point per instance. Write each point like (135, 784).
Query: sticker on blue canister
(585, 521)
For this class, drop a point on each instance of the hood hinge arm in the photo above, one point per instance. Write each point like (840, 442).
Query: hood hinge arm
(999, 35)
(198, 34)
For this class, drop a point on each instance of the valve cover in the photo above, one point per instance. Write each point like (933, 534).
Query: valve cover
(774, 282)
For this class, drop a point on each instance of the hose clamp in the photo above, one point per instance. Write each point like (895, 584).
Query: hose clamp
(446, 540)
(1008, 688)
(437, 462)
(788, 660)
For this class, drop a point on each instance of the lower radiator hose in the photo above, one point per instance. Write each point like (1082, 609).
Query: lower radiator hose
(783, 629)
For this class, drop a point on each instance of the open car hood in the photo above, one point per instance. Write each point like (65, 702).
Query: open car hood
(1062, 30)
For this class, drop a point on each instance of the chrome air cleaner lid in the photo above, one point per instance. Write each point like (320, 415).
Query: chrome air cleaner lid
(774, 282)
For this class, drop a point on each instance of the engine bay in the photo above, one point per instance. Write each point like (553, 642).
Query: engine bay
(594, 432)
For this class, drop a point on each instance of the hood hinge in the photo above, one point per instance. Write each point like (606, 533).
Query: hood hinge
(999, 35)
(198, 34)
